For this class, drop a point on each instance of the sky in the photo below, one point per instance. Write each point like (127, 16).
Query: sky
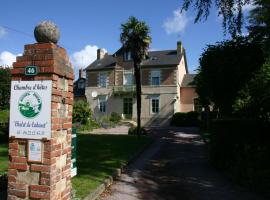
(88, 25)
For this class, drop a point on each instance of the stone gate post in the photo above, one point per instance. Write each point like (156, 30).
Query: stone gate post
(41, 120)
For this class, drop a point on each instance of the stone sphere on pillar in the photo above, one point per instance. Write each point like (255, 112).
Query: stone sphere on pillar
(47, 31)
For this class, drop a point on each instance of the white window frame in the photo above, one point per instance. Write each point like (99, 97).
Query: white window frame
(127, 56)
(151, 104)
(102, 98)
(124, 78)
(154, 74)
(101, 84)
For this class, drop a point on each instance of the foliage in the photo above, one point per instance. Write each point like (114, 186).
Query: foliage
(100, 155)
(254, 99)
(3, 157)
(115, 117)
(136, 39)
(5, 80)
(185, 119)
(3, 186)
(230, 10)
(259, 21)
(82, 116)
(81, 112)
(242, 148)
(133, 130)
(4, 116)
(224, 69)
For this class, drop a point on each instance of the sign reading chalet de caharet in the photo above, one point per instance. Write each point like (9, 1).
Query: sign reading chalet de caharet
(30, 109)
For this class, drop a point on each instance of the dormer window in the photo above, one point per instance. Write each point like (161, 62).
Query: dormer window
(127, 56)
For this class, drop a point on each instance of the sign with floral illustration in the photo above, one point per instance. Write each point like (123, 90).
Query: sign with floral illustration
(30, 109)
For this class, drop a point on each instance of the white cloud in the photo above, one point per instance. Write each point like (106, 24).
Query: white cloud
(84, 57)
(3, 32)
(7, 58)
(177, 23)
(248, 7)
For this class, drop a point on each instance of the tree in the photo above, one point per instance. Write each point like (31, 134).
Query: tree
(5, 80)
(224, 69)
(230, 10)
(135, 38)
(254, 98)
(259, 21)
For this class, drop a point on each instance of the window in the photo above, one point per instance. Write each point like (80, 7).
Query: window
(127, 56)
(128, 78)
(81, 84)
(154, 105)
(196, 105)
(128, 106)
(102, 80)
(102, 103)
(155, 77)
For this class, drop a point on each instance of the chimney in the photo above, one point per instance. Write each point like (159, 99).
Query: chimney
(180, 48)
(81, 73)
(100, 54)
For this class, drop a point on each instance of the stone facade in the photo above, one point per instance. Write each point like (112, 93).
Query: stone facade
(171, 67)
(50, 179)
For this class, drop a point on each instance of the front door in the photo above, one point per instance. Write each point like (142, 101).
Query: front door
(127, 108)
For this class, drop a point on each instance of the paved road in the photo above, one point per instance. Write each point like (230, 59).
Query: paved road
(176, 167)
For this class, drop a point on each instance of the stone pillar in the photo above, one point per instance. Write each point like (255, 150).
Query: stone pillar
(50, 179)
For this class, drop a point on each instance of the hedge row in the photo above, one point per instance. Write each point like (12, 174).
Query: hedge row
(185, 119)
(242, 148)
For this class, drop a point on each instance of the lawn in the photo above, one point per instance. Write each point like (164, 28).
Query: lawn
(98, 156)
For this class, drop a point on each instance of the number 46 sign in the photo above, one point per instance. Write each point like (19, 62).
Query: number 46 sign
(31, 70)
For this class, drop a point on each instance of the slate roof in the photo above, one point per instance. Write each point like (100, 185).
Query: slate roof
(154, 58)
(157, 58)
(109, 61)
(188, 80)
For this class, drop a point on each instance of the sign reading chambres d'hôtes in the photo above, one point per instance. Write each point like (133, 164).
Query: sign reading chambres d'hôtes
(30, 109)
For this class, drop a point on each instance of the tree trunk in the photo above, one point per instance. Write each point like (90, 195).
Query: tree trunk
(138, 95)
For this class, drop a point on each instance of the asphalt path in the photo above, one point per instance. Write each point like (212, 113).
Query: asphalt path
(175, 167)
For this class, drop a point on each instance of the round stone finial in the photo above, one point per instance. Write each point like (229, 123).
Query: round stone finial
(47, 31)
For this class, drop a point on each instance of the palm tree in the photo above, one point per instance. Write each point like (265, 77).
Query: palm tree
(135, 39)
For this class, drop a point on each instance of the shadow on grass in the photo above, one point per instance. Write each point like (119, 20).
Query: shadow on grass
(99, 155)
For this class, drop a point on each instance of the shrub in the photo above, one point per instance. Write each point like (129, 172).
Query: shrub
(3, 186)
(242, 148)
(115, 117)
(185, 119)
(83, 117)
(133, 130)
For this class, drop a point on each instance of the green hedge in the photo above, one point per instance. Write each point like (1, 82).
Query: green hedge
(242, 148)
(185, 119)
(133, 130)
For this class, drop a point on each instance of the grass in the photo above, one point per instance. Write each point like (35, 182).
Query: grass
(99, 155)
(3, 158)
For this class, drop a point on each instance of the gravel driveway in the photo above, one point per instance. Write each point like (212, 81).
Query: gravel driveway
(176, 167)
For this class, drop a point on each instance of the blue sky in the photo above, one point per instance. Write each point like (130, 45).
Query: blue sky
(88, 25)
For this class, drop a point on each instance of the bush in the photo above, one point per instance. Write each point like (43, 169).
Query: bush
(185, 119)
(3, 186)
(82, 116)
(115, 117)
(133, 130)
(242, 148)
